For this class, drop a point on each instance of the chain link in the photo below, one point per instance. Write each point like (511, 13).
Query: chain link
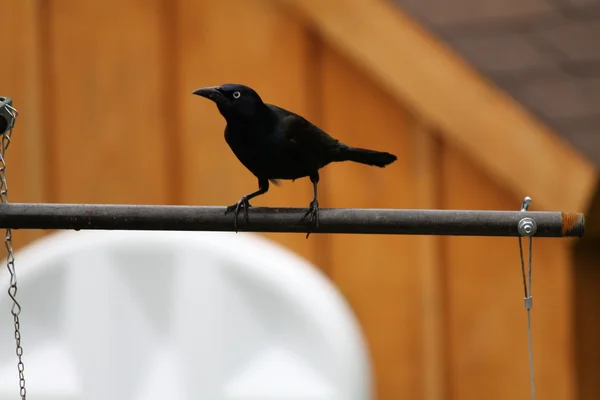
(10, 260)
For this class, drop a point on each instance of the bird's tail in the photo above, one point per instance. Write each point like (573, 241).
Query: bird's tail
(365, 156)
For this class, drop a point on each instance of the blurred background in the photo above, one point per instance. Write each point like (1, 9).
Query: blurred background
(483, 102)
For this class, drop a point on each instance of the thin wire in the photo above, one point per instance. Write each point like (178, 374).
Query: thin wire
(530, 263)
(523, 267)
(528, 306)
(530, 341)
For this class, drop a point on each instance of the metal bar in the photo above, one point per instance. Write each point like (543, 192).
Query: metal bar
(262, 219)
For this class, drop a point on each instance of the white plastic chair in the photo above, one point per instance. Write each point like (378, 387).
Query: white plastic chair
(180, 315)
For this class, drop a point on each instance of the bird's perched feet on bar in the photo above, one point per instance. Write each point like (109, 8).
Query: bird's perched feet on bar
(237, 207)
(313, 216)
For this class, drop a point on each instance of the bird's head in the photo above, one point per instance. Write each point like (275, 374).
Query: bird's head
(233, 100)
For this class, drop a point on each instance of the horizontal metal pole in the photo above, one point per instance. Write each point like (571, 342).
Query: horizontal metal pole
(263, 219)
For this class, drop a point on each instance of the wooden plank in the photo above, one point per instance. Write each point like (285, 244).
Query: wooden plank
(378, 274)
(110, 128)
(261, 45)
(427, 168)
(587, 308)
(20, 79)
(592, 217)
(481, 120)
(488, 355)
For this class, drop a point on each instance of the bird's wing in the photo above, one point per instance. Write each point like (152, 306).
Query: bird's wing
(304, 135)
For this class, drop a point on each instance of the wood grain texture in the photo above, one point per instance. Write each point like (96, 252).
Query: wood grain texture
(487, 336)
(20, 79)
(587, 324)
(378, 274)
(426, 165)
(481, 120)
(109, 128)
(258, 44)
(592, 217)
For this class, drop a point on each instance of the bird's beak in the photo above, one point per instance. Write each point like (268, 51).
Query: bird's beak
(211, 92)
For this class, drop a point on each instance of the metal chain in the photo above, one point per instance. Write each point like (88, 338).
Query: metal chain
(10, 260)
(527, 227)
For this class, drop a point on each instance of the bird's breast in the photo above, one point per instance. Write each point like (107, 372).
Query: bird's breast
(267, 156)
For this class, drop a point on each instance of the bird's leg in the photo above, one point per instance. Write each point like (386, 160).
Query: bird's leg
(263, 187)
(313, 210)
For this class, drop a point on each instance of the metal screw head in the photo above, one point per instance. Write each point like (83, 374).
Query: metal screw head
(525, 204)
(527, 227)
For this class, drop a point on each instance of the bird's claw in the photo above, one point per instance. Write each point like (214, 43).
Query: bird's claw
(243, 203)
(313, 216)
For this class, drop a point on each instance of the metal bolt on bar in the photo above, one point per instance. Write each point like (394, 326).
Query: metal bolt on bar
(266, 219)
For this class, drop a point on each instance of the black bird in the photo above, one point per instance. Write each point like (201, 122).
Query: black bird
(274, 143)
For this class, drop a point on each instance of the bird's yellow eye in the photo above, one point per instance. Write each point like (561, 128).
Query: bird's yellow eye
(236, 95)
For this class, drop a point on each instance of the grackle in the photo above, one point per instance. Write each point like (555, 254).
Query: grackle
(274, 144)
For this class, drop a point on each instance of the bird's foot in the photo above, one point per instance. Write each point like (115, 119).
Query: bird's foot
(313, 216)
(237, 207)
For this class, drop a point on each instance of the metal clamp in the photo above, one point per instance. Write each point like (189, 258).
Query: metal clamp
(526, 226)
